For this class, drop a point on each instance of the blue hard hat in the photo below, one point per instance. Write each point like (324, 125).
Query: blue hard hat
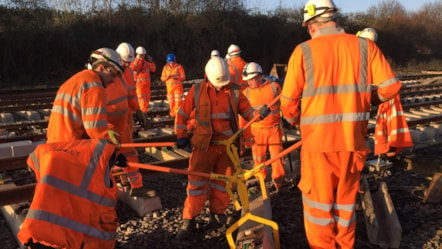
(170, 58)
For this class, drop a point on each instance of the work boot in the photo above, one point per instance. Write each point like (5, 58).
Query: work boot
(186, 229)
(143, 192)
(221, 219)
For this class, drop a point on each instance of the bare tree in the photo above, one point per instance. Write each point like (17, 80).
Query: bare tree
(387, 10)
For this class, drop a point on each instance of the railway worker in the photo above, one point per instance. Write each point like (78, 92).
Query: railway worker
(369, 33)
(173, 74)
(142, 66)
(332, 75)
(74, 205)
(215, 123)
(236, 67)
(391, 132)
(122, 102)
(266, 133)
(79, 109)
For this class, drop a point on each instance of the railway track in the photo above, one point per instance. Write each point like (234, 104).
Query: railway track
(422, 106)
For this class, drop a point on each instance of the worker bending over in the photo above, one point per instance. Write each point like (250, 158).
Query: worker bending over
(121, 102)
(79, 108)
(217, 104)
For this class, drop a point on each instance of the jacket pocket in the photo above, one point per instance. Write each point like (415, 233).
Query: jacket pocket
(359, 159)
(109, 221)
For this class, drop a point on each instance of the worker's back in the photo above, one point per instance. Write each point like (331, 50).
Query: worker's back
(336, 88)
(71, 117)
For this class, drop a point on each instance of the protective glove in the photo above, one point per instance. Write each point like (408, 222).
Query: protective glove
(264, 111)
(286, 124)
(113, 136)
(121, 161)
(149, 58)
(142, 119)
(182, 142)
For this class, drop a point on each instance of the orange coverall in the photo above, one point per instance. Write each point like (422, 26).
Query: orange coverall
(333, 73)
(173, 74)
(142, 70)
(119, 99)
(74, 204)
(266, 133)
(79, 109)
(216, 117)
(391, 132)
(236, 66)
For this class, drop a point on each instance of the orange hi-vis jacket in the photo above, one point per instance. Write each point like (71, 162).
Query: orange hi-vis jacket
(266, 133)
(216, 113)
(391, 128)
(262, 95)
(342, 105)
(173, 74)
(236, 66)
(117, 104)
(120, 119)
(142, 70)
(74, 204)
(129, 83)
(79, 109)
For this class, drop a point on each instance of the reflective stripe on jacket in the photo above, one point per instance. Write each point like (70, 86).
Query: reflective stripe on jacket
(75, 196)
(117, 105)
(216, 113)
(79, 109)
(262, 95)
(236, 66)
(173, 74)
(142, 70)
(335, 89)
(391, 128)
(131, 88)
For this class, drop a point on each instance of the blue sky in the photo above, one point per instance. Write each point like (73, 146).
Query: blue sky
(344, 5)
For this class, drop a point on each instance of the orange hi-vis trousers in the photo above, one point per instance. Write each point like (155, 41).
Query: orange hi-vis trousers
(271, 139)
(329, 184)
(143, 95)
(133, 174)
(199, 189)
(175, 97)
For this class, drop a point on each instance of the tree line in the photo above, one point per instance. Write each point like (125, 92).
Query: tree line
(46, 41)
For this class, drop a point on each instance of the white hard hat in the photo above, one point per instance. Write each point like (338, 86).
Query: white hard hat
(233, 50)
(141, 50)
(126, 52)
(368, 33)
(251, 70)
(323, 10)
(214, 53)
(106, 56)
(217, 71)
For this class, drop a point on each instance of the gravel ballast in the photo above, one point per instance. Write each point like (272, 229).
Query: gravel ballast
(421, 223)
